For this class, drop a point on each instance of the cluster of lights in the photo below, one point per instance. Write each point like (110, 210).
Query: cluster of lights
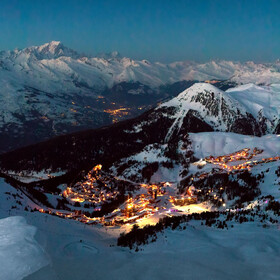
(150, 198)
(88, 191)
(245, 154)
(117, 113)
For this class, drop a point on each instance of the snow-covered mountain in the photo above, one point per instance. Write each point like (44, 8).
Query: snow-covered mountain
(247, 109)
(51, 89)
(262, 102)
(52, 50)
(56, 67)
(212, 106)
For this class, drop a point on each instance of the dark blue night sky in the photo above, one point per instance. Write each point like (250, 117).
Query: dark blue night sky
(157, 30)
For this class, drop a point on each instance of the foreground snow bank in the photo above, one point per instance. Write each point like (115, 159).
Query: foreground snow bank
(20, 254)
(246, 251)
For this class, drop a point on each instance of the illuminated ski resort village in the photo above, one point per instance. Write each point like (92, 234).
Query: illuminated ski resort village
(153, 201)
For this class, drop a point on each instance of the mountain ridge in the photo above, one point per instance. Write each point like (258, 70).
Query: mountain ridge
(127, 69)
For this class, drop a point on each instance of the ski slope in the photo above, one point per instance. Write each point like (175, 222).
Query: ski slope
(84, 252)
(20, 254)
(221, 143)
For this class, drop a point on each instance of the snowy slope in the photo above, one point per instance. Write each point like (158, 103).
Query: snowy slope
(262, 102)
(77, 251)
(20, 254)
(202, 145)
(200, 253)
(220, 143)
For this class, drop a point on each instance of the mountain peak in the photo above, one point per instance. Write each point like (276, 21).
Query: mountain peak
(199, 89)
(51, 50)
(198, 92)
(51, 45)
(203, 86)
(210, 105)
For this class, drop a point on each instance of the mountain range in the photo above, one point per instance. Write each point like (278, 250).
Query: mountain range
(51, 89)
(53, 62)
